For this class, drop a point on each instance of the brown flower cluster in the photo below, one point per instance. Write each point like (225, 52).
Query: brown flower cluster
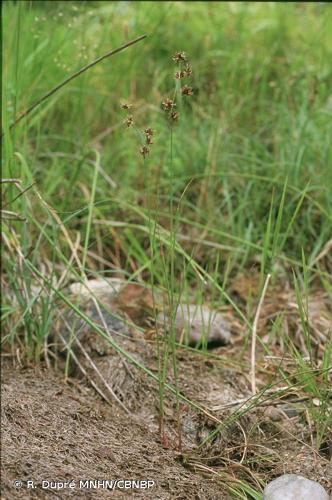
(187, 90)
(185, 70)
(148, 132)
(129, 120)
(148, 135)
(126, 105)
(145, 149)
(179, 56)
(168, 104)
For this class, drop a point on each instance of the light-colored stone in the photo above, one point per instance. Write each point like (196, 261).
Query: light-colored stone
(194, 324)
(294, 487)
(100, 288)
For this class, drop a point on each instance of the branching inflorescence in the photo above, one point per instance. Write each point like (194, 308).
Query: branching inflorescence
(168, 104)
(184, 71)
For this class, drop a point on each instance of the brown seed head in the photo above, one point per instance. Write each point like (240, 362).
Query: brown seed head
(187, 90)
(188, 70)
(144, 151)
(126, 105)
(180, 74)
(148, 132)
(168, 104)
(174, 116)
(179, 56)
(129, 121)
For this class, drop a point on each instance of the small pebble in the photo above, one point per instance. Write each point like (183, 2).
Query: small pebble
(294, 487)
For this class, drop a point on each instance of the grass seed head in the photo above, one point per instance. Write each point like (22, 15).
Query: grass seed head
(179, 56)
(168, 104)
(180, 74)
(126, 105)
(149, 132)
(144, 151)
(129, 121)
(187, 90)
(188, 70)
(174, 116)
(148, 135)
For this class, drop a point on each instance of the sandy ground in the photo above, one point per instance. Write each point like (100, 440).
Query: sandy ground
(57, 431)
(61, 432)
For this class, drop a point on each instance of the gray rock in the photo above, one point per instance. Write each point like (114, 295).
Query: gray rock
(294, 487)
(194, 324)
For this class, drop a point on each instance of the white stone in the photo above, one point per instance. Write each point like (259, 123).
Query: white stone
(294, 487)
(104, 288)
(194, 323)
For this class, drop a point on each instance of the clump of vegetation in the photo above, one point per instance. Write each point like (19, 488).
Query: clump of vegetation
(227, 201)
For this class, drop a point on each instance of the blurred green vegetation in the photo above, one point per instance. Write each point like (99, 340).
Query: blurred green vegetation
(261, 113)
(242, 181)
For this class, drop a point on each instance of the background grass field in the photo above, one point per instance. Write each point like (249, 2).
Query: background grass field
(261, 113)
(242, 182)
(254, 139)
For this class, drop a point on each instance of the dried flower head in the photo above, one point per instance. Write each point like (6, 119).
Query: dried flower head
(187, 90)
(168, 104)
(126, 105)
(179, 56)
(180, 74)
(148, 132)
(148, 139)
(174, 116)
(129, 121)
(144, 151)
(188, 70)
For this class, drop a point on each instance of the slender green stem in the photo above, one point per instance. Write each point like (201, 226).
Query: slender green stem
(71, 77)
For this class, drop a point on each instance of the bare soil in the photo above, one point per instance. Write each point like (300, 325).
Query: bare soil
(66, 431)
(62, 432)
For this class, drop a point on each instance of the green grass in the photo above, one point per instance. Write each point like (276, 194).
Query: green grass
(261, 108)
(245, 176)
